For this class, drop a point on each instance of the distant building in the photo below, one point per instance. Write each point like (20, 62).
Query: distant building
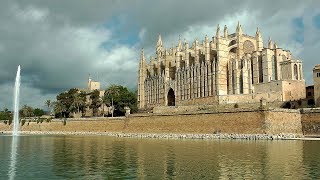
(316, 82)
(310, 95)
(92, 86)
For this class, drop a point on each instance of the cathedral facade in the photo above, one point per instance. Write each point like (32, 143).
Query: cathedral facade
(229, 68)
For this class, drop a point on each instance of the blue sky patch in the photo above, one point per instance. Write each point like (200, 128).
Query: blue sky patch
(123, 31)
(298, 26)
(316, 21)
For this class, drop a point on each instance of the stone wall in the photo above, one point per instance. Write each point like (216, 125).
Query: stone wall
(310, 119)
(240, 122)
(283, 121)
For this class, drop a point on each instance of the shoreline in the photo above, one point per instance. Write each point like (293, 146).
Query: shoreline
(172, 135)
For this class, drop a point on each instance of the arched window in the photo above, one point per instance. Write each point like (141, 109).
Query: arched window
(251, 64)
(172, 72)
(260, 69)
(233, 77)
(300, 72)
(274, 68)
(295, 71)
(241, 83)
(232, 42)
(228, 81)
(241, 64)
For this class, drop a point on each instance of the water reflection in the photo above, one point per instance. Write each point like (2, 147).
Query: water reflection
(13, 159)
(96, 157)
(166, 159)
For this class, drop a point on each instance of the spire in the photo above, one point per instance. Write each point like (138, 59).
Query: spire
(270, 44)
(258, 33)
(275, 45)
(186, 45)
(239, 29)
(225, 31)
(179, 44)
(218, 31)
(159, 43)
(142, 58)
(89, 78)
(206, 39)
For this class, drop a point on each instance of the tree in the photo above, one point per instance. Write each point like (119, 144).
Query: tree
(95, 101)
(6, 114)
(66, 100)
(26, 111)
(79, 100)
(38, 112)
(110, 93)
(59, 108)
(48, 104)
(119, 97)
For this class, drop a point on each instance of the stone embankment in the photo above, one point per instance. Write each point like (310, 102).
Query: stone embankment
(168, 135)
(240, 124)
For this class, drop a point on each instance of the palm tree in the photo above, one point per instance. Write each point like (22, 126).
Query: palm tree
(78, 101)
(27, 111)
(59, 108)
(112, 91)
(48, 103)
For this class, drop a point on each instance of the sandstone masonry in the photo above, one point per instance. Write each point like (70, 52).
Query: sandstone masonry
(229, 68)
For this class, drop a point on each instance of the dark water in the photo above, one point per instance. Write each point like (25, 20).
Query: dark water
(98, 157)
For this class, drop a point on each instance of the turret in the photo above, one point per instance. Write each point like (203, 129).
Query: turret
(225, 31)
(142, 58)
(179, 48)
(142, 76)
(270, 44)
(207, 48)
(186, 45)
(259, 40)
(159, 47)
(239, 29)
(275, 45)
(218, 32)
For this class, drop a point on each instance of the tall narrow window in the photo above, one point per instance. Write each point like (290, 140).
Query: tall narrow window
(241, 83)
(233, 76)
(295, 71)
(252, 78)
(274, 68)
(260, 69)
(228, 81)
(300, 72)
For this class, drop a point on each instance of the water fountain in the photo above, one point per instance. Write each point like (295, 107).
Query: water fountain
(15, 130)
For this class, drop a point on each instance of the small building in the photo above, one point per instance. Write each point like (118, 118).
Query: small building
(310, 95)
(316, 82)
(92, 86)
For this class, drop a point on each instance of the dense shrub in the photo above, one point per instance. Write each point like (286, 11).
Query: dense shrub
(23, 121)
(287, 105)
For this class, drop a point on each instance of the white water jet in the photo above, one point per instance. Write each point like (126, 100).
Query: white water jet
(15, 131)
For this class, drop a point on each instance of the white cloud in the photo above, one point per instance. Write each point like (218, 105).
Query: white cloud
(142, 33)
(59, 44)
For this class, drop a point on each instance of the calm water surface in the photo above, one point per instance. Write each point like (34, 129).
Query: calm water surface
(99, 157)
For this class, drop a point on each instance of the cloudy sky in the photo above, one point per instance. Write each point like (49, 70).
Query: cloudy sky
(59, 43)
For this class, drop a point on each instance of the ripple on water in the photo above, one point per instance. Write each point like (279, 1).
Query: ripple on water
(99, 157)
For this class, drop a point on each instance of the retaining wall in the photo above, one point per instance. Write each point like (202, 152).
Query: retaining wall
(244, 122)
